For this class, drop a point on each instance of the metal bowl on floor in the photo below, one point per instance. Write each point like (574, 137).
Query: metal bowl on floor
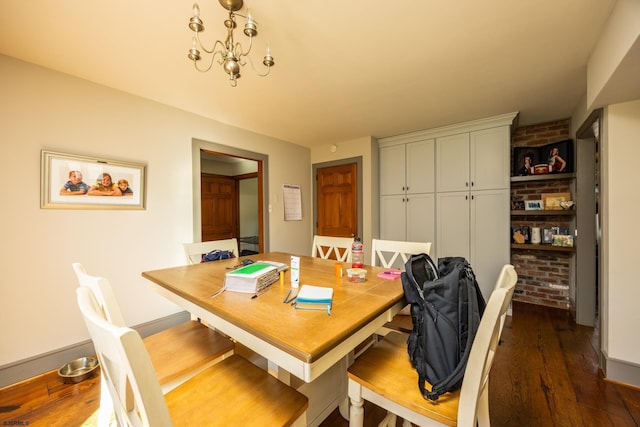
(78, 370)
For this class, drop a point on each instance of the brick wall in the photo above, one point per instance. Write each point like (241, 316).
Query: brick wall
(544, 277)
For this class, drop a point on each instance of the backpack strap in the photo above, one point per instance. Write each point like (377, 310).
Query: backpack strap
(456, 376)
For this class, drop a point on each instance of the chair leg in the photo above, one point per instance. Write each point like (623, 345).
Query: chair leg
(388, 421)
(356, 412)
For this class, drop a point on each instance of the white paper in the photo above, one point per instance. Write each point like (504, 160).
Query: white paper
(292, 202)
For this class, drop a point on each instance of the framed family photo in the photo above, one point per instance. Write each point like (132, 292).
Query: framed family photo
(71, 181)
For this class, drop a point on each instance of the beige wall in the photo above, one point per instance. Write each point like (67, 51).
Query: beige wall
(621, 233)
(41, 109)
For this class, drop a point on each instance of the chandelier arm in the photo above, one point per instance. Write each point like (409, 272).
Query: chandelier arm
(239, 51)
(256, 71)
(213, 48)
(213, 57)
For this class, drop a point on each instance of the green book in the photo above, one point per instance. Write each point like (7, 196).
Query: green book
(251, 278)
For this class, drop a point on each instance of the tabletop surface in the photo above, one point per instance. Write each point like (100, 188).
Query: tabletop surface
(305, 334)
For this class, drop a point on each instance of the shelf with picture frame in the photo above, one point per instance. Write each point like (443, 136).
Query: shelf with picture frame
(544, 177)
(543, 212)
(540, 247)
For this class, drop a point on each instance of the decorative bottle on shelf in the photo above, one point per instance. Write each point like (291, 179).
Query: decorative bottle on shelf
(357, 254)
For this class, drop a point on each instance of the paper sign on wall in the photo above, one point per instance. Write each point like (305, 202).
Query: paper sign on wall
(292, 202)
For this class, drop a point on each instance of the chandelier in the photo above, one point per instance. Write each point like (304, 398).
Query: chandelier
(230, 55)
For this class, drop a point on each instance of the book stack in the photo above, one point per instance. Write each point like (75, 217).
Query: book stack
(314, 298)
(252, 278)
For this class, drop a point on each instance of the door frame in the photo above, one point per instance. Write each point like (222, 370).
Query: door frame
(588, 272)
(339, 162)
(198, 145)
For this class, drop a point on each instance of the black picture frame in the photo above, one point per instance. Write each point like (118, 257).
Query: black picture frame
(541, 155)
(519, 154)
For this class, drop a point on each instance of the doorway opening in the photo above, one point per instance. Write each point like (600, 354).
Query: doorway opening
(229, 195)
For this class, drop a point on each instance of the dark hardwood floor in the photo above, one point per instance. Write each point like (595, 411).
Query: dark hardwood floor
(545, 374)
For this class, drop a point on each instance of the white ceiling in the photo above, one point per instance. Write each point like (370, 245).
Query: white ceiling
(343, 70)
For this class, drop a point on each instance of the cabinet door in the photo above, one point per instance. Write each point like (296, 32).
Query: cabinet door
(421, 166)
(490, 241)
(453, 224)
(421, 218)
(392, 170)
(490, 158)
(452, 158)
(393, 224)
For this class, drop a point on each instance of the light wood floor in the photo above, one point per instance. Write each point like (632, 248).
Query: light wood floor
(545, 374)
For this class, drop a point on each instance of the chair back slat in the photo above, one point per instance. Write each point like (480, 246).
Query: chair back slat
(330, 247)
(102, 292)
(129, 374)
(385, 253)
(194, 251)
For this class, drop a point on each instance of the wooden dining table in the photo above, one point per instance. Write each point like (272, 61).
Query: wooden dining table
(308, 349)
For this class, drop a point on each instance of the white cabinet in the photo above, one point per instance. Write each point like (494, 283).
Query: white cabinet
(461, 204)
(473, 200)
(474, 225)
(407, 183)
(476, 160)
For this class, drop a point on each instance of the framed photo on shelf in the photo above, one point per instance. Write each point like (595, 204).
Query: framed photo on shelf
(533, 205)
(563, 240)
(547, 236)
(557, 156)
(71, 181)
(524, 158)
(552, 200)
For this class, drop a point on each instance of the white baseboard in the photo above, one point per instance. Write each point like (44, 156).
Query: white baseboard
(42, 363)
(620, 370)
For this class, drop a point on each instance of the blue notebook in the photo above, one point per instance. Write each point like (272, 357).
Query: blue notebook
(314, 298)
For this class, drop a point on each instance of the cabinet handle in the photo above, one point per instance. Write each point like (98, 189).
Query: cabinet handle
(466, 184)
(473, 183)
(466, 197)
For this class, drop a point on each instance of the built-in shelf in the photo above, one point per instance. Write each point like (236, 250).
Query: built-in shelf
(543, 177)
(543, 212)
(534, 247)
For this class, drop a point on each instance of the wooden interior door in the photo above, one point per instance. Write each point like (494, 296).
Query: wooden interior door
(219, 201)
(337, 200)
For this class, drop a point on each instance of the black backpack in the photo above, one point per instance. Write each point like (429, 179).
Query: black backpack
(446, 307)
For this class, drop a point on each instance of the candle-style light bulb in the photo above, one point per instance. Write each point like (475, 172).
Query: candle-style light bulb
(196, 10)
(249, 18)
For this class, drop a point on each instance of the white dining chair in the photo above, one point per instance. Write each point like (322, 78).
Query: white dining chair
(195, 251)
(223, 394)
(177, 353)
(395, 253)
(384, 376)
(330, 247)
